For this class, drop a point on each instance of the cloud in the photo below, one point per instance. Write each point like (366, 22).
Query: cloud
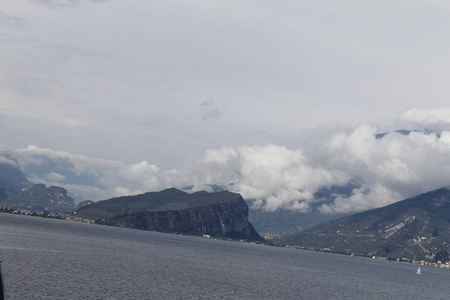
(207, 103)
(212, 114)
(10, 20)
(434, 119)
(53, 176)
(91, 178)
(389, 169)
(65, 3)
(4, 160)
(376, 170)
(212, 110)
(274, 70)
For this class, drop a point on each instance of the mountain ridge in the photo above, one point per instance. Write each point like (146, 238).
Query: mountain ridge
(414, 228)
(17, 192)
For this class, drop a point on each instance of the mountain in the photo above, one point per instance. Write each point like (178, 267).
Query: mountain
(12, 180)
(39, 197)
(84, 203)
(272, 224)
(18, 193)
(417, 228)
(222, 214)
(407, 132)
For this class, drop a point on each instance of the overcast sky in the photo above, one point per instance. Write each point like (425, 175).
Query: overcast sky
(170, 82)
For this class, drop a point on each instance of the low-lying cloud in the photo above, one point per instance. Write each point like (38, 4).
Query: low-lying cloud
(387, 168)
(431, 119)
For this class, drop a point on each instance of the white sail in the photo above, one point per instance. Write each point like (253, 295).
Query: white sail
(419, 271)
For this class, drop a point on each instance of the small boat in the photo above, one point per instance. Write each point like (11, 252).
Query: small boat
(419, 271)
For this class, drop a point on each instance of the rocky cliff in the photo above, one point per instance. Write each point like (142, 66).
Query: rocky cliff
(221, 214)
(17, 192)
(39, 197)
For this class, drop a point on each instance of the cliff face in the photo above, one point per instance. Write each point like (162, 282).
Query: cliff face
(227, 220)
(221, 214)
(40, 198)
(18, 193)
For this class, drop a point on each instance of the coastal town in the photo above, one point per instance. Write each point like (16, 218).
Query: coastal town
(436, 264)
(46, 214)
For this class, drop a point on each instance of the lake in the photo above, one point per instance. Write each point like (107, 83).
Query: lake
(55, 259)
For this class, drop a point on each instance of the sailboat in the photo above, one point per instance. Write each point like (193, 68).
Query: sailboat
(419, 271)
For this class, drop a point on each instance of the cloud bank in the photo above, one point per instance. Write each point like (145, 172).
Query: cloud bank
(387, 168)
(124, 79)
(431, 119)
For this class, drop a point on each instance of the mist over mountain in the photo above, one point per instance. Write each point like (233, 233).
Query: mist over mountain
(200, 113)
(285, 221)
(12, 180)
(336, 170)
(414, 228)
(17, 192)
(385, 170)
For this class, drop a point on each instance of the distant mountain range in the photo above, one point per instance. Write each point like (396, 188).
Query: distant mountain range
(274, 224)
(415, 228)
(16, 192)
(284, 221)
(12, 180)
(89, 181)
(407, 132)
(221, 214)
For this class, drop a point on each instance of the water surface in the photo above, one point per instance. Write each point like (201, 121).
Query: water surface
(54, 259)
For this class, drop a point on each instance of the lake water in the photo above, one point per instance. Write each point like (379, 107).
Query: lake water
(54, 259)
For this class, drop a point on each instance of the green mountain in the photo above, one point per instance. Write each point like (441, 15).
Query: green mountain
(222, 214)
(417, 228)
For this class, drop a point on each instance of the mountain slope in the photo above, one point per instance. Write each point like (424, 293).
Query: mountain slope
(217, 214)
(39, 197)
(417, 227)
(17, 192)
(285, 221)
(12, 180)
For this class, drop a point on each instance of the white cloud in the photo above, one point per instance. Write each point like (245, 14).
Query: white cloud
(271, 71)
(53, 176)
(387, 169)
(4, 160)
(362, 199)
(434, 119)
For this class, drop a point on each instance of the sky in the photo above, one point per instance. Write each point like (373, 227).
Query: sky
(272, 99)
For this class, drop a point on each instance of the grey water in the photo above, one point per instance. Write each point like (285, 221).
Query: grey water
(55, 259)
